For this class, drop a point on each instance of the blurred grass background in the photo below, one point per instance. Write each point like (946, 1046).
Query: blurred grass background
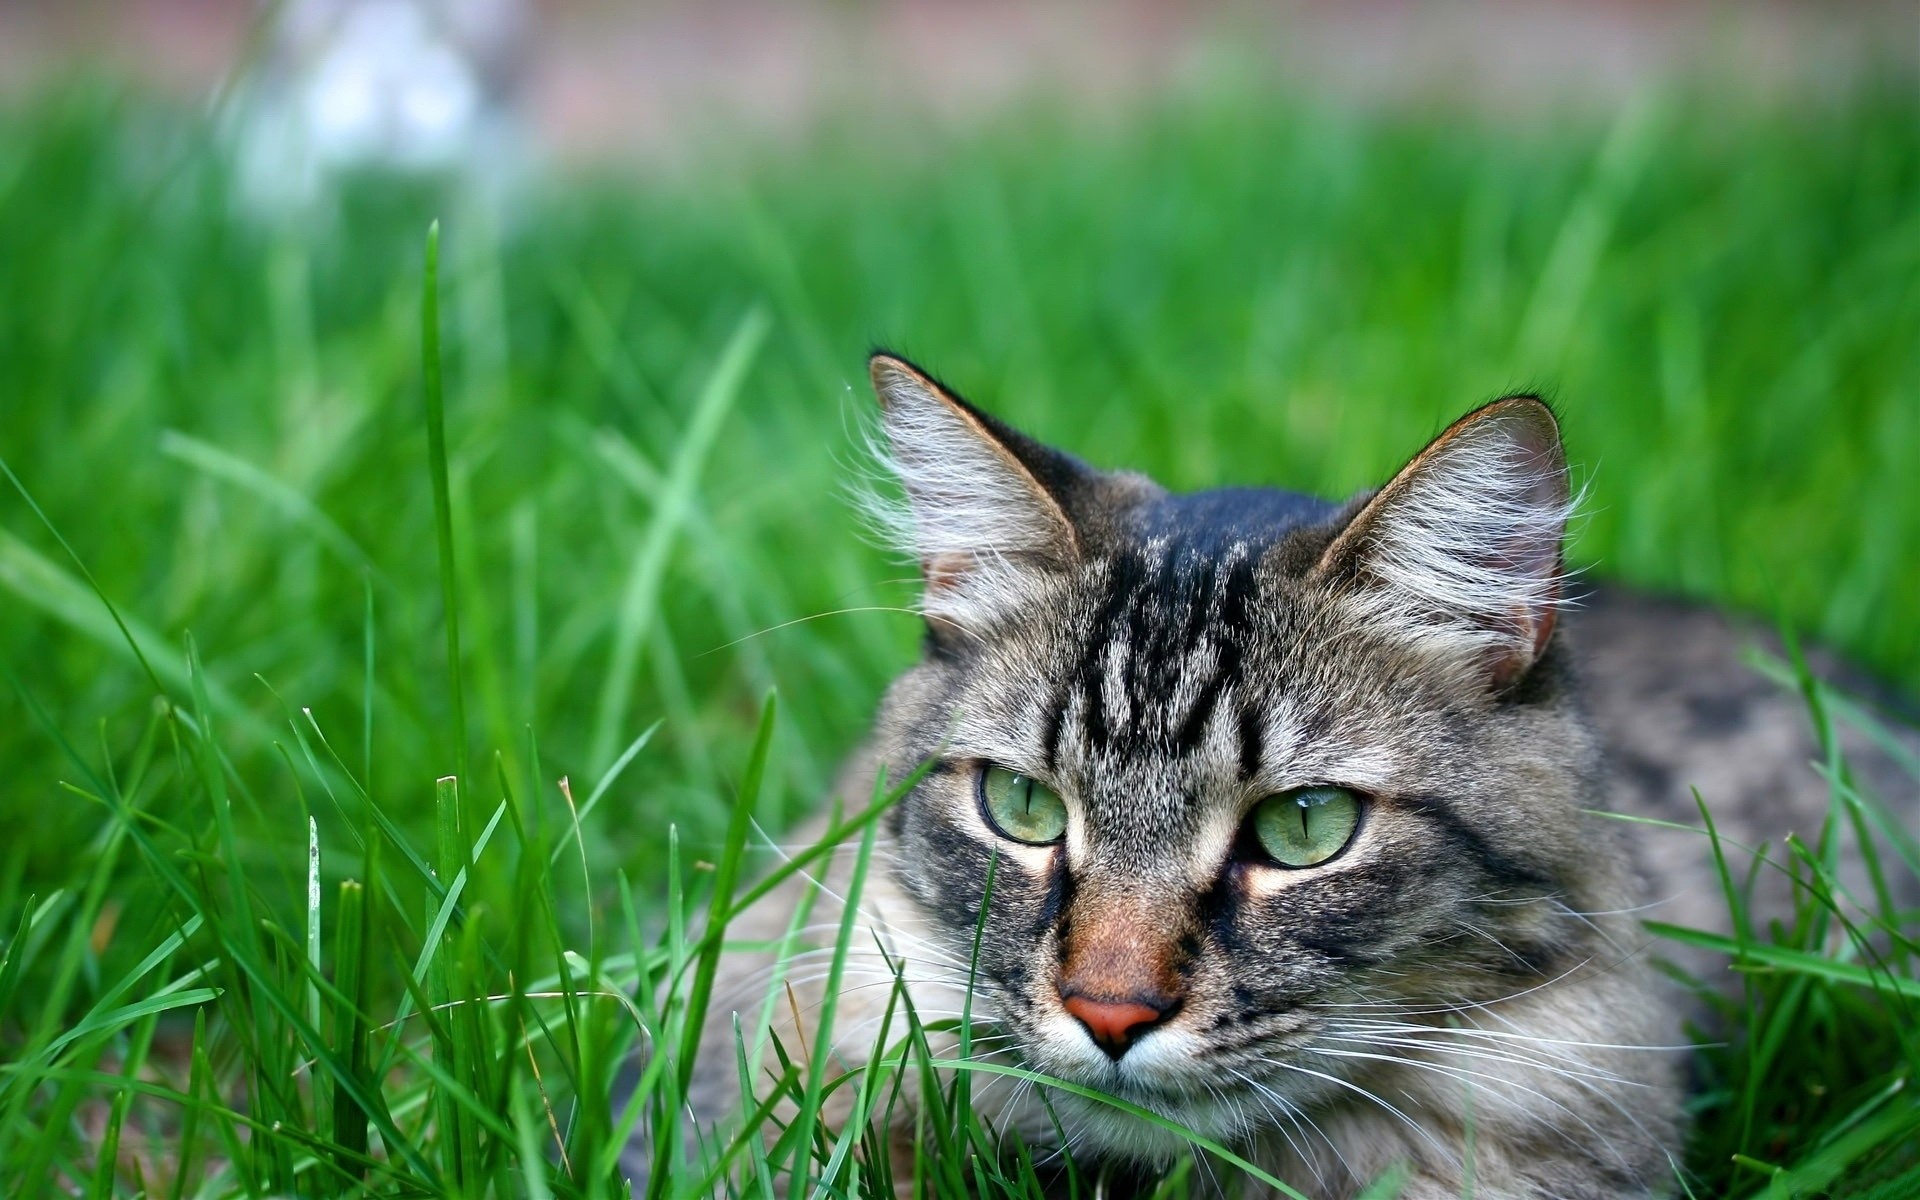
(223, 415)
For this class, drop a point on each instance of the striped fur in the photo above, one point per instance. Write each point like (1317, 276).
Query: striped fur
(1460, 992)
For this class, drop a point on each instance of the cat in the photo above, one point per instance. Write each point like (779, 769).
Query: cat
(1288, 809)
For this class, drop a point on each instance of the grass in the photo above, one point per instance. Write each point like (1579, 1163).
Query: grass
(279, 574)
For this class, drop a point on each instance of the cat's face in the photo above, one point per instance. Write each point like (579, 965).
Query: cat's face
(1245, 769)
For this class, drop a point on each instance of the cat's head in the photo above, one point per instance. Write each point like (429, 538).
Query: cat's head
(1245, 767)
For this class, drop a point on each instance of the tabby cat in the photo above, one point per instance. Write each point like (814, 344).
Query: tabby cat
(1288, 811)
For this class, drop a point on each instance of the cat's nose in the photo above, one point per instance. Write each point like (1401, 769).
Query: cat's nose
(1116, 1024)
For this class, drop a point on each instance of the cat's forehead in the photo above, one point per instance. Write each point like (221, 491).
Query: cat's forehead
(1176, 659)
(1151, 683)
(1154, 674)
(1172, 603)
(1213, 522)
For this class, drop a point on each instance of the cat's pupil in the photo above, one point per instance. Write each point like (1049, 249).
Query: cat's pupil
(1021, 807)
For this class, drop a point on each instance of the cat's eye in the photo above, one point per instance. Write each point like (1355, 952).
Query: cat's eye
(1307, 826)
(1021, 808)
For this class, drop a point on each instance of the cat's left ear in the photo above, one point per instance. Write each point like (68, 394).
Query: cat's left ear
(1461, 551)
(983, 516)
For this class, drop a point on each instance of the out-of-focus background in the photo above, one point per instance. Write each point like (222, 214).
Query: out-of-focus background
(1220, 243)
(601, 79)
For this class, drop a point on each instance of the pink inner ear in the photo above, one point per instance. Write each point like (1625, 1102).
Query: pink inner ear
(1543, 622)
(1536, 447)
(945, 571)
(1531, 624)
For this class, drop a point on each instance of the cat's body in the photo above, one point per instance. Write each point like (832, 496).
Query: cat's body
(1461, 988)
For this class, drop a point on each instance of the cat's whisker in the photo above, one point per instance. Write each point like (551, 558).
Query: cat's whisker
(1459, 1073)
(1563, 909)
(1293, 1114)
(1284, 1111)
(1630, 911)
(1551, 1061)
(1466, 1005)
(1206, 1162)
(835, 612)
(1506, 949)
(809, 969)
(1464, 1074)
(1422, 1131)
(787, 850)
(983, 1044)
(872, 919)
(1503, 1034)
(869, 983)
(891, 959)
(1581, 1070)
(912, 946)
(1503, 897)
(783, 1003)
(1303, 1115)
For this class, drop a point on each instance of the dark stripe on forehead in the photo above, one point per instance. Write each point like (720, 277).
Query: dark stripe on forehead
(1163, 611)
(1194, 727)
(1252, 741)
(1056, 715)
(1227, 622)
(1124, 572)
(1203, 581)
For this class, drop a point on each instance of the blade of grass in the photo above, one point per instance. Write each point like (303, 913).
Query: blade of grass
(648, 570)
(1149, 1116)
(607, 779)
(808, 1123)
(349, 1021)
(707, 964)
(313, 917)
(1764, 955)
(436, 408)
(230, 468)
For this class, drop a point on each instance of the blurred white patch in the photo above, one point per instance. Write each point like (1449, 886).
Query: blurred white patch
(419, 87)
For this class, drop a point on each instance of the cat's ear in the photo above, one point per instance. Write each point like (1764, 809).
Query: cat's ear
(982, 514)
(1461, 551)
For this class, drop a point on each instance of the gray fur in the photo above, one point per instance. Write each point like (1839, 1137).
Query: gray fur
(1473, 960)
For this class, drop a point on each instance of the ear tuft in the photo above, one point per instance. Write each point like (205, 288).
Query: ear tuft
(977, 518)
(1461, 551)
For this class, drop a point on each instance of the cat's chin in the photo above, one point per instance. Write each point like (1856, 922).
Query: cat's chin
(1169, 1078)
(1104, 1131)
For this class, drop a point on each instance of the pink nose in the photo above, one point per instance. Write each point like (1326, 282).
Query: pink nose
(1113, 1024)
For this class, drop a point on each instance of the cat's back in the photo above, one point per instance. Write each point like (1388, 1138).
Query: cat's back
(1676, 693)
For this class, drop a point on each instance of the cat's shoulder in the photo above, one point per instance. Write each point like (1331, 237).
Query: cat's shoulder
(1687, 695)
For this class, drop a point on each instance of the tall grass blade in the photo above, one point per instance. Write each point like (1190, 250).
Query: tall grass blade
(436, 406)
(639, 600)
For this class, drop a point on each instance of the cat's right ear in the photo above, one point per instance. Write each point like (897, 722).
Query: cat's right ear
(983, 517)
(1461, 551)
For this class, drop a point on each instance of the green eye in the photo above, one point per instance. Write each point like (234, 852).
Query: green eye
(1307, 826)
(1021, 808)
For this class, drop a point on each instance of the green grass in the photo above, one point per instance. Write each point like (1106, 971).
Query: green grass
(624, 486)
